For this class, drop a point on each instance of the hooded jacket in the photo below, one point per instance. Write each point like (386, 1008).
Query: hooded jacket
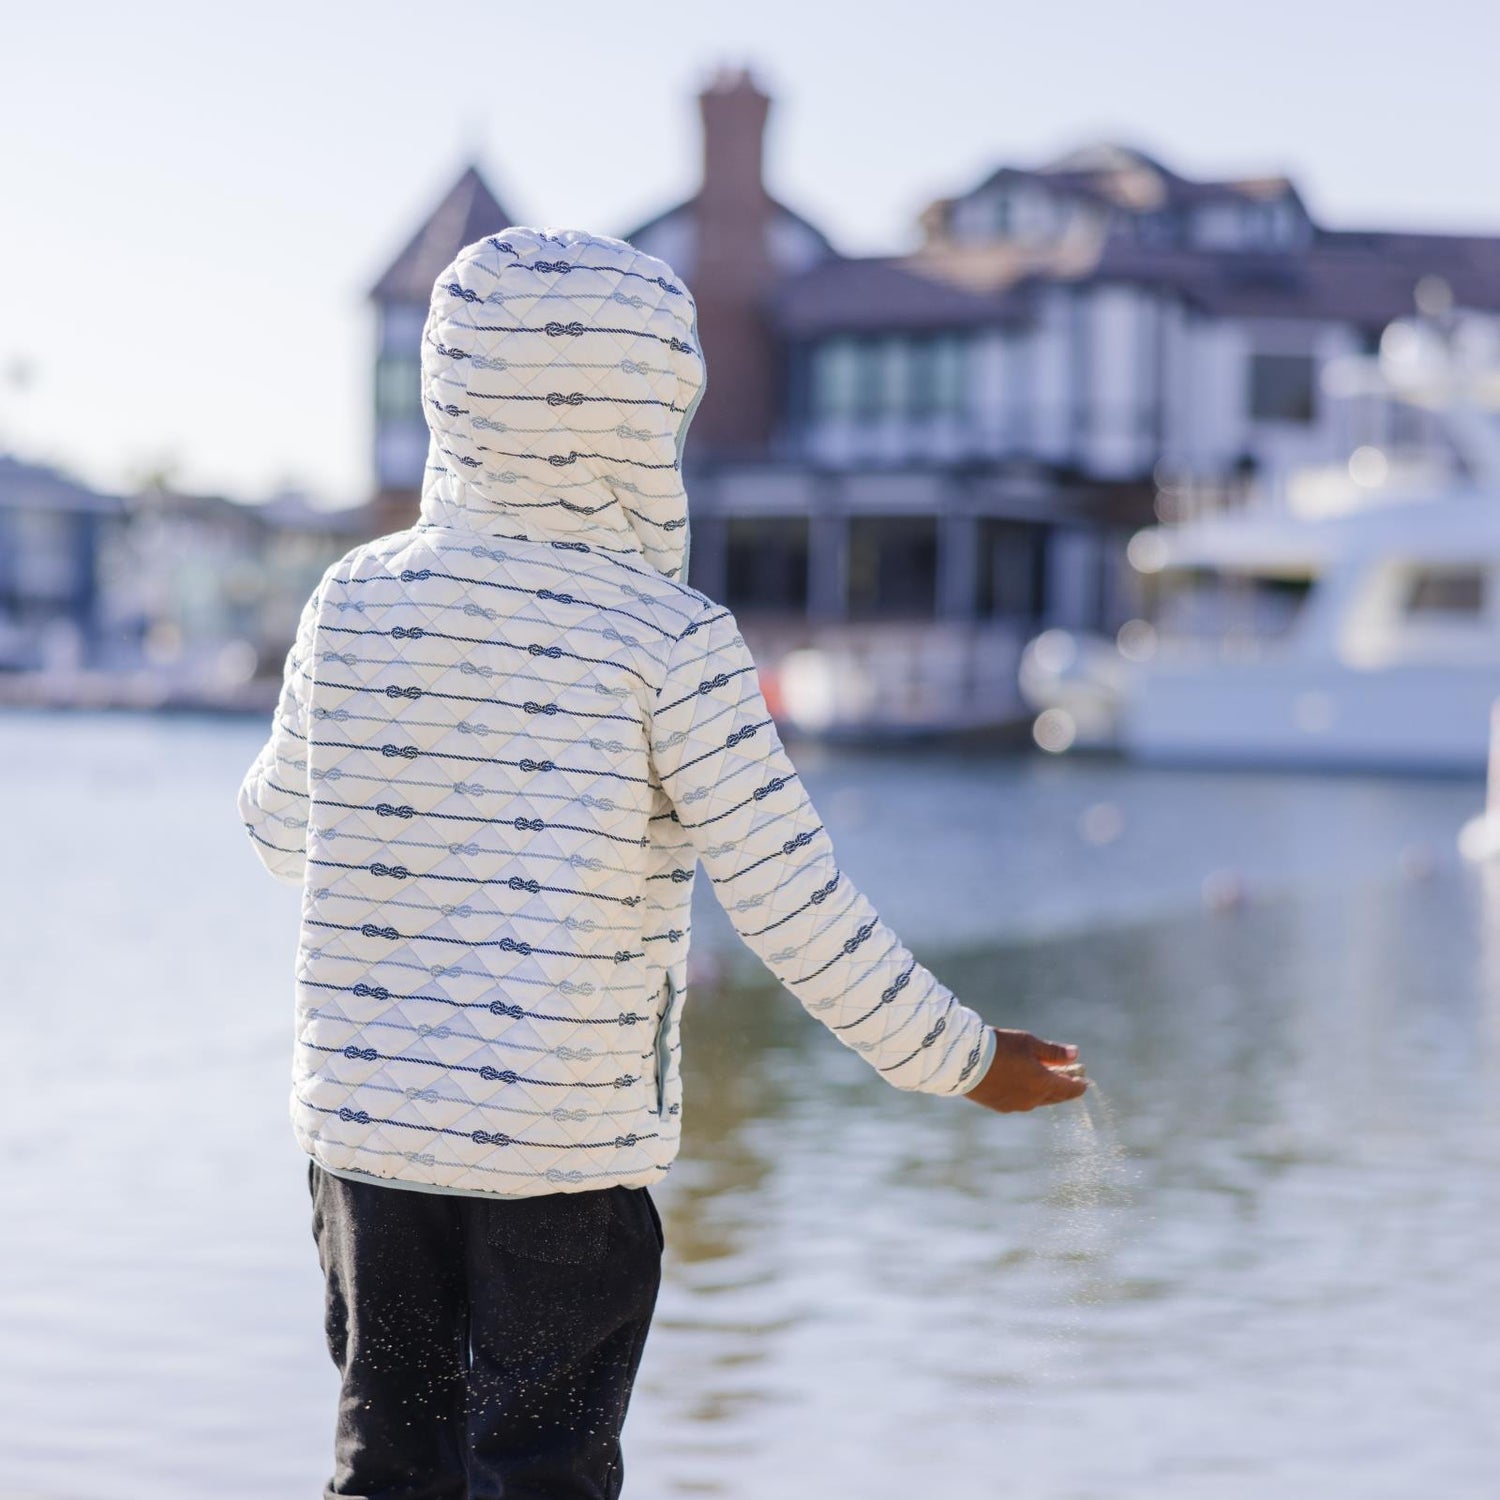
(505, 737)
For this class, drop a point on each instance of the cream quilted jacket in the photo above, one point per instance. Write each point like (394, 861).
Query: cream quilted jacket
(505, 738)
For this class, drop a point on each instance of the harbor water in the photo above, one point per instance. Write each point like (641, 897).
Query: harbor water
(1258, 1260)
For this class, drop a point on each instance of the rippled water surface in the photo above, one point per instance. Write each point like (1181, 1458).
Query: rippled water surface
(1261, 1262)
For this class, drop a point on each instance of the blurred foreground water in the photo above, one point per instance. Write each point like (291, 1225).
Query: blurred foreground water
(1262, 1263)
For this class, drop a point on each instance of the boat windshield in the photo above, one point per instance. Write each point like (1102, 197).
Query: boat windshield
(1211, 605)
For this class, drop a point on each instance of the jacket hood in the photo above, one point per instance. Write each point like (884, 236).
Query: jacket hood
(560, 371)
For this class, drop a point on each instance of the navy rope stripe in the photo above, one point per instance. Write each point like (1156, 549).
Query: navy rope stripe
(409, 783)
(702, 623)
(618, 557)
(466, 909)
(533, 649)
(551, 1175)
(411, 752)
(675, 524)
(422, 575)
(432, 1094)
(480, 1137)
(444, 1031)
(508, 944)
(679, 345)
(521, 496)
(847, 949)
(457, 971)
(889, 993)
(569, 398)
(561, 268)
(554, 460)
(515, 882)
(472, 847)
(534, 825)
(615, 557)
(937, 1029)
(789, 846)
(452, 726)
(708, 685)
(530, 706)
(510, 588)
(527, 764)
(817, 898)
(736, 738)
(776, 784)
(269, 845)
(495, 1007)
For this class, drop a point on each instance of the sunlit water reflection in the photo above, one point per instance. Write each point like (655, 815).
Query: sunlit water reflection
(1259, 1261)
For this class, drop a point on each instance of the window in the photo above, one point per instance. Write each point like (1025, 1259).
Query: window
(892, 567)
(766, 564)
(398, 389)
(1012, 571)
(1282, 387)
(939, 380)
(890, 376)
(835, 378)
(1446, 591)
(1203, 604)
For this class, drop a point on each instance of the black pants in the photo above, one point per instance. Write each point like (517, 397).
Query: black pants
(487, 1348)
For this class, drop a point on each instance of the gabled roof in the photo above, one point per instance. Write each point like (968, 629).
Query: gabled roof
(1362, 279)
(687, 204)
(1124, 177)
(468, 212)
(32, 486)
(290, 510)
(877, 293)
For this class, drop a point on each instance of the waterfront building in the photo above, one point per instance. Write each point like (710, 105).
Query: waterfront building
(52, 529)
(466, 212)
(907, 465)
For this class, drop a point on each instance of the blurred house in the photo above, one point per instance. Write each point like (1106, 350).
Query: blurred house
(201, 594)
(52, 529)
(906, 465)
(467, 212)
(153, 599)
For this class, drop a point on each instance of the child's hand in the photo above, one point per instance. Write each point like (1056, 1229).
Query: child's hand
(1027, 1072)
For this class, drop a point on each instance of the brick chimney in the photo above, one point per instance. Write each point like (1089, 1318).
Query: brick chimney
(732, 272)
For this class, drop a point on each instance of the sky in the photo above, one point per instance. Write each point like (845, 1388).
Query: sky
(197, 198)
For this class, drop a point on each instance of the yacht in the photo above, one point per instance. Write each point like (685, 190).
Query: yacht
(1351, 621)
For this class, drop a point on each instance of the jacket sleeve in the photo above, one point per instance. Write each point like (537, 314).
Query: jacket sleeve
(741, 803)
(273, 798)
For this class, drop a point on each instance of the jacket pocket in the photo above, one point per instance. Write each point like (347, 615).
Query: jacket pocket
(663, 1047)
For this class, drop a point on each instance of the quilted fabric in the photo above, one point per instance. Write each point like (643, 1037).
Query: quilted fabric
(506, 736)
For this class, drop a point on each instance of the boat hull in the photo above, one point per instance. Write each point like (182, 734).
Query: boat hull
(1417, 717)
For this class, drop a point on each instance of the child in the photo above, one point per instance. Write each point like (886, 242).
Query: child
(505, 737)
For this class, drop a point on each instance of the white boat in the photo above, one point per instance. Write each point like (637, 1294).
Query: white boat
(1351, 622)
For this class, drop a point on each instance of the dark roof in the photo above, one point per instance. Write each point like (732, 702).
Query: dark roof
(1469, 263)
(878, 293)
(29, 486)
(1124, 177)
(689, 203)
(1362, 279)
(293, 511)
(468, 212)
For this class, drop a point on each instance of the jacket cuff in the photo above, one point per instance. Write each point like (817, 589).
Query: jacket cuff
(986, 1057)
